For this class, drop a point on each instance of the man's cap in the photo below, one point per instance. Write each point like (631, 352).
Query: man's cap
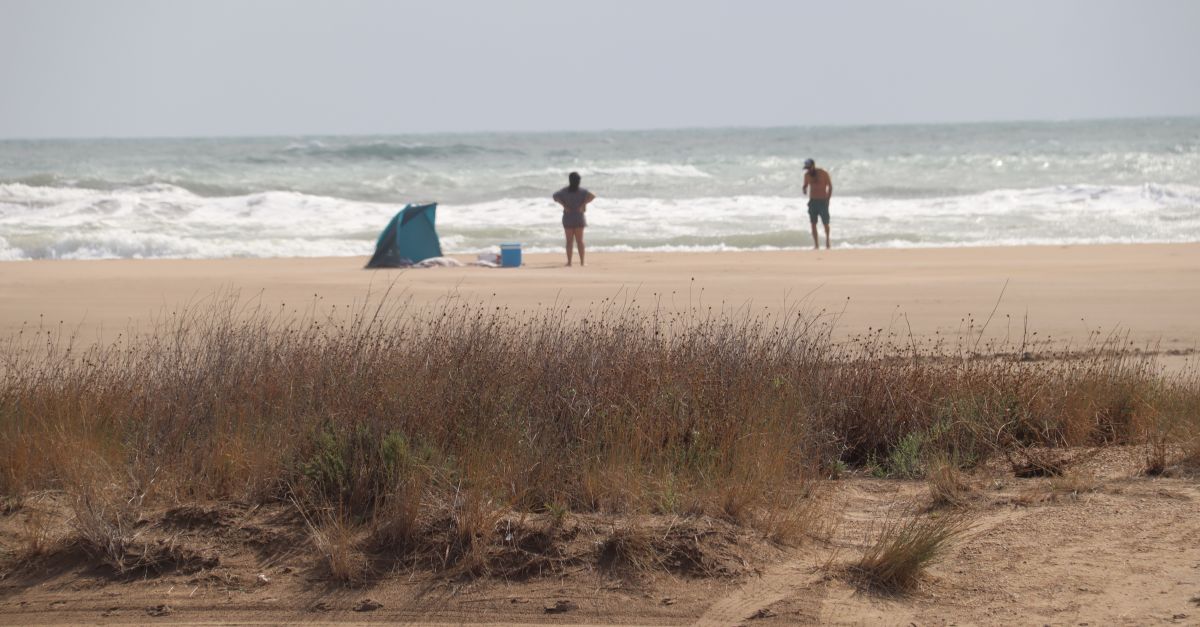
(809, 162)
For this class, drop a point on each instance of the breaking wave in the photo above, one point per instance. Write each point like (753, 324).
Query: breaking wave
(166, 221)
(699, 189)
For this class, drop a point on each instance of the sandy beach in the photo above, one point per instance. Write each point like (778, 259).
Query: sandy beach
(1149, 291)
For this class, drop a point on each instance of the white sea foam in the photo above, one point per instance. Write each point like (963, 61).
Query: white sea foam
(643, 168)
(717, 189)
(636, 169)
(165, 221)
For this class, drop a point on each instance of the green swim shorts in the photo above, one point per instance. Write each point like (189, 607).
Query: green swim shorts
(818, 208)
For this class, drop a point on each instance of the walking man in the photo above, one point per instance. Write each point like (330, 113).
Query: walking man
(819, 188)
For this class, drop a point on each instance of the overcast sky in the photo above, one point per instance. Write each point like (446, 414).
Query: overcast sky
(83, 68)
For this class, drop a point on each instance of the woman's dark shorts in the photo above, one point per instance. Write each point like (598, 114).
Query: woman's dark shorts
(818, 208)
(574, 220)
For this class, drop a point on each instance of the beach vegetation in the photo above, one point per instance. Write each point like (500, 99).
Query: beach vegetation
(948, 487)
(416, 437)
(903, 545)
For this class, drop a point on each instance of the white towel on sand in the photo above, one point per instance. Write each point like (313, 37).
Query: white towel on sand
(440, 262)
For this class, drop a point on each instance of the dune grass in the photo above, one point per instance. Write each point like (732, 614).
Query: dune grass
(388, 425)
(904, 546)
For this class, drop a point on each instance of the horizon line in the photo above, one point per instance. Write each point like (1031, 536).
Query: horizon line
(732, 127)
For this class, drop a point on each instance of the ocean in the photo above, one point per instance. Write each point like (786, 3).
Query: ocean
(986, 184)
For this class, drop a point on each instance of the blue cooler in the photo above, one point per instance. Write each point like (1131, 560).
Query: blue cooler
(510, 255)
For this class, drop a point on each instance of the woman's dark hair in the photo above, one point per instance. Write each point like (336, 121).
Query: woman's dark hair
(573, 179)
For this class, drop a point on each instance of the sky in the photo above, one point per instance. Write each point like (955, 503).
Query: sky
(138, 68)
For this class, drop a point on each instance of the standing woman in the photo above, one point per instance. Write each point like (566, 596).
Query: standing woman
(574, 200)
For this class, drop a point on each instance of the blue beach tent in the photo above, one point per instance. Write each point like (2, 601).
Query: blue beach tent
(409, 238)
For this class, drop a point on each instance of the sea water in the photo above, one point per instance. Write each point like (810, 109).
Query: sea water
(1089, 182)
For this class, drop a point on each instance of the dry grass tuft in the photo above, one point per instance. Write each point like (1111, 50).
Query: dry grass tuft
(468, 532)
(109, 530)
(105, 528)
(395, 528)
(1190, 456)
(1157, 460)
(1042, 464)
(526, 549)
(337, 543)
(629, 550)
(947, 486)
(1075, 483)
(11, 504)
(1159, 437)
(690, 547)
(904, 547)
(792, 517)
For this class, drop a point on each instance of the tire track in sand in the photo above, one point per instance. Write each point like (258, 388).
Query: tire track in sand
(775, 584)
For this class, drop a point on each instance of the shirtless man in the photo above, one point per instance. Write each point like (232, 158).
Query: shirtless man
(818, 199)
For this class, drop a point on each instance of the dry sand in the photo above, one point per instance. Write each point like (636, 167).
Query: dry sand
(1150, 292)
